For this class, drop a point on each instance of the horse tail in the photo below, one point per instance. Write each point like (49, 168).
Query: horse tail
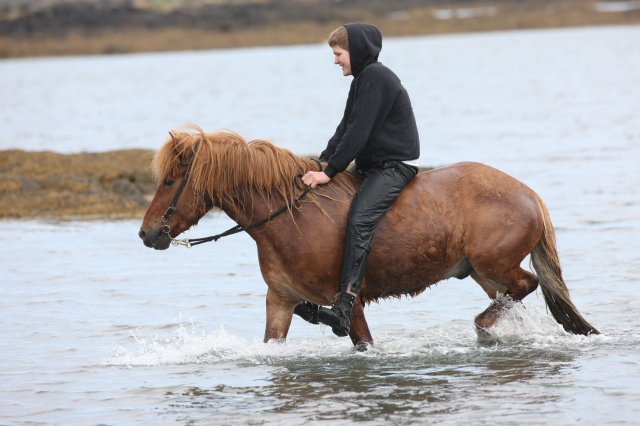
(546, 263)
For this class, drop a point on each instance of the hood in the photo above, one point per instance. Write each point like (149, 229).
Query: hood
(365, 43)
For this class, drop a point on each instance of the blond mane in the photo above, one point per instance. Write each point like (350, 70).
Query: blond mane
(229, 169)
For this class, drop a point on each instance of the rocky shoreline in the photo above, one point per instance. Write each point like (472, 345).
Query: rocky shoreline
(77, 27)
(114, 184)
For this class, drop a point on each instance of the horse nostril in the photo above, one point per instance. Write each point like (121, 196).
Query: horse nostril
(142, 234)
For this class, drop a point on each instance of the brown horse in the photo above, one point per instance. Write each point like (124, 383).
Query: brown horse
(455, 221)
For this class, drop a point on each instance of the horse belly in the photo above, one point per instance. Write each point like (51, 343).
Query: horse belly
(418, 243)
(410, 265)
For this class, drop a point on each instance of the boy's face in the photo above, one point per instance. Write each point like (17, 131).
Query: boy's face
(343, 59)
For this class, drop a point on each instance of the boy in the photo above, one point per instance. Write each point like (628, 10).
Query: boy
(378, 131)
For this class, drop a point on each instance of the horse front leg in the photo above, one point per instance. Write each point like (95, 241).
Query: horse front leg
(279, 315)
(359, 331)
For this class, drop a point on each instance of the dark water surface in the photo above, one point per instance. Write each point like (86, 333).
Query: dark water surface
(101, 330)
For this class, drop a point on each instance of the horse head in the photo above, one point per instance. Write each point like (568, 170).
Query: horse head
(176, 205)
(196, 171)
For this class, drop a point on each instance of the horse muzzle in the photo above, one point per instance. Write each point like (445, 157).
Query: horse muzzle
(155, 239)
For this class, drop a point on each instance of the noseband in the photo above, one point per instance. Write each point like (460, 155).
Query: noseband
(189, 242)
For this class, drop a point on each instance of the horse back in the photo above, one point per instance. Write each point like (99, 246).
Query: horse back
(443, 221)
(466, 194)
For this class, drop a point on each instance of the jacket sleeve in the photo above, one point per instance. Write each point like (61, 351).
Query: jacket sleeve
(333, 142)
(342, 127)
(365, 111)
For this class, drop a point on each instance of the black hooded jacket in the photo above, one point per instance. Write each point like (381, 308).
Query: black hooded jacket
(378, 122)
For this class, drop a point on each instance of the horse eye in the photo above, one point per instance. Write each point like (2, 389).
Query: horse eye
(168, 182)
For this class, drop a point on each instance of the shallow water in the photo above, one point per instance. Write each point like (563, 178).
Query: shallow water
(100, 330)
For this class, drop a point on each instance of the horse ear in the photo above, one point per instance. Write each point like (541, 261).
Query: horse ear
(173, 137)
(183, 161)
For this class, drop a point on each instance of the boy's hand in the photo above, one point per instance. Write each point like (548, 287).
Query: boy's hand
(314, 179)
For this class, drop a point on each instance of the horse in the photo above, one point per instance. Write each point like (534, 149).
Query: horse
(460, 220)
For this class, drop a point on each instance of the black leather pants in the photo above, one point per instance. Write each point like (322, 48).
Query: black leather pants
(380, 187)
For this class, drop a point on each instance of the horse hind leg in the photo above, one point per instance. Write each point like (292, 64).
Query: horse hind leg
(515, 283)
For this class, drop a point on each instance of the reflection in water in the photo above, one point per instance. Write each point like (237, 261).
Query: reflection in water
(365, 388)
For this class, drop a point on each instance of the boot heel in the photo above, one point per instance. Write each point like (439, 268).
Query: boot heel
(338, 323)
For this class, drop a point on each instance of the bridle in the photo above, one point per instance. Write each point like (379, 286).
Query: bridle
(166, 229)
(189, 242)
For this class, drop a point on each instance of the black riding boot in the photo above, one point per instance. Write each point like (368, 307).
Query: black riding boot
(339, 316)
(307, 311)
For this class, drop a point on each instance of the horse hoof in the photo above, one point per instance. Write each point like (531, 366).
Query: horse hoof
(485, 337)
(362, 346)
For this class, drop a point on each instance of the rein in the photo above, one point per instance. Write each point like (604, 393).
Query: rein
(190, 242)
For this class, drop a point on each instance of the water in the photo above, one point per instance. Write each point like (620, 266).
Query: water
(101, 330)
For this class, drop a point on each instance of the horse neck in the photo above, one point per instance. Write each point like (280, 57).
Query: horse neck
(253, 207)
(247, 201)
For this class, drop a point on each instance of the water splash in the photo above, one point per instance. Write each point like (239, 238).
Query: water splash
(532, 328)
(521, 328)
